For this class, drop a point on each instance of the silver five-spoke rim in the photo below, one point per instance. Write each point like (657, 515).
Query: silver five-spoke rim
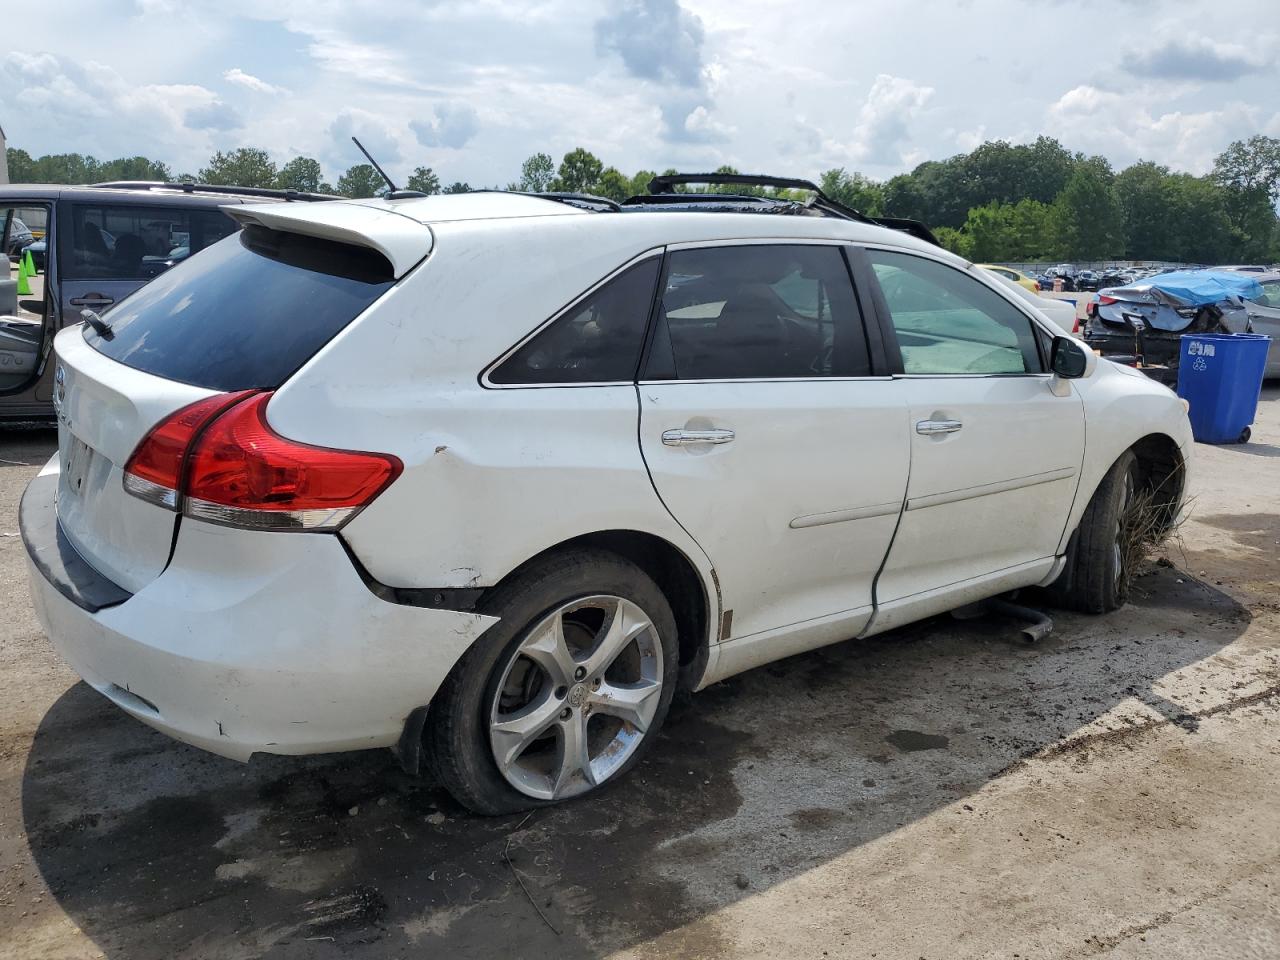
(577, 697)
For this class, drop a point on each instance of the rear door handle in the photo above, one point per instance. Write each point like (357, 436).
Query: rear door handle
(677, 438)
(93, 300)
(932, 428)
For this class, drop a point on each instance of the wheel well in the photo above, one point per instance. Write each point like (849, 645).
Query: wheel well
(675, 576)
(1163, 472)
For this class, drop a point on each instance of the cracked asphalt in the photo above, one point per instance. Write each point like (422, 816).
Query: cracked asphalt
(944, 791)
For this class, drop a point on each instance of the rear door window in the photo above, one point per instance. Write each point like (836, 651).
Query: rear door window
(118, 242)
(780, 311)
(247, 312)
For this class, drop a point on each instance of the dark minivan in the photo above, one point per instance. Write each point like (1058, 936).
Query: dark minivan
(101, 243)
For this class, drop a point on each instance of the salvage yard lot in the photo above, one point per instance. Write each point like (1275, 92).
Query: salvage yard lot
(942, 791)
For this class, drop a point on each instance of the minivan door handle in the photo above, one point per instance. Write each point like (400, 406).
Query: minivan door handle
(932, 428)
(92, 300)
(677, 438)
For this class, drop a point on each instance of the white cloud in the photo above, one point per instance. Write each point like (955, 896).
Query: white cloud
(112, 117)
(884, 123)
(1125, 127)
(214, 115)
(1185, 56)
(790, 88)
(661, 43)
(250, 82)
(700, 125)
(452, 125)
(380, 138)
(969, 139)
(657, 40)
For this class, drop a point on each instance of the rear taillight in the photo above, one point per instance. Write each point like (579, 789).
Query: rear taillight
(1106, 301)
(154, 470)
(239, 472)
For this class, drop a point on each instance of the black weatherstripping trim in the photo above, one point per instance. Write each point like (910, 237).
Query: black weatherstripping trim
(55, 557)
(867, 317)
(457, 599)
(875, 311)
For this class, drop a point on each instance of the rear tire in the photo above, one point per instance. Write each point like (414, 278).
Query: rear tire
(1095, 579)
(503, 728)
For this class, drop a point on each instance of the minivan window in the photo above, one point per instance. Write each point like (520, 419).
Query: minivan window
(758, 312)
(597, 340)
(247, 312)
(947, 322)
(111, 242)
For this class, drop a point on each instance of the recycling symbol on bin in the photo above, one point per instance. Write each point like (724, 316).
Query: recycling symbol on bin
(1200, 364)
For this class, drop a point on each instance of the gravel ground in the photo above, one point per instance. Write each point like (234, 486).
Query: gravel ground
(944, 791)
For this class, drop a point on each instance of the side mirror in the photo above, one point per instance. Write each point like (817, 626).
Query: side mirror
(1068, 358)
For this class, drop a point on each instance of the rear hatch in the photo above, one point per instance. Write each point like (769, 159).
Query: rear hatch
(104, 410)
(244, 314)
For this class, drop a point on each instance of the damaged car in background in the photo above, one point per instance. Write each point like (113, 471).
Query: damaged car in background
(1141, 324)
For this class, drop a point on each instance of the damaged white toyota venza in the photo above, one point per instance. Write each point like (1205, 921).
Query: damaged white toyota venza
(487, 478)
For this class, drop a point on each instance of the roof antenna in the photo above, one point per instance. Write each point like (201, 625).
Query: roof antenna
(382, 173)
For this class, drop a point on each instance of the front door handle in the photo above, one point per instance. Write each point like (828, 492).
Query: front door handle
(92, 300)
(677, 438)
(932, 428)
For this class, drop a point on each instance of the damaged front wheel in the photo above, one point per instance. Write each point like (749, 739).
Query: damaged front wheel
(1099, 564)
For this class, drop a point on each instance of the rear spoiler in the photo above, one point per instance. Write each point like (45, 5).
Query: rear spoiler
(666, 184)
(405, 242)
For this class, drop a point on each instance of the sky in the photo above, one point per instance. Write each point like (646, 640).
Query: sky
(473, 88)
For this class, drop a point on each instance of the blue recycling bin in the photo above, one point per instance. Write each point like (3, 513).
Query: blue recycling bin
(1220, 375)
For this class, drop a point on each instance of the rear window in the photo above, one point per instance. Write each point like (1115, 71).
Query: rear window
(245, 313)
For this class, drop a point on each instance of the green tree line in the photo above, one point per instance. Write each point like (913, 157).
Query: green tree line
(1000, 202)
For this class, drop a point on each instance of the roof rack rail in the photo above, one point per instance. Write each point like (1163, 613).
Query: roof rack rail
(188, 186)
(588, 201)
(584, 201)
(665, 184)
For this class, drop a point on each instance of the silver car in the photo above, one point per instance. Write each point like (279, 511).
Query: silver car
(1264, 318)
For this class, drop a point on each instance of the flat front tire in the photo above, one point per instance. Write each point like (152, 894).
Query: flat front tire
(564, 694)
(1096, 579)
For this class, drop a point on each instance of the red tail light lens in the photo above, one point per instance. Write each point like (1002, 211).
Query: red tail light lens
(237, 471)
(243, 473)
(1104, 301)
(154, 470)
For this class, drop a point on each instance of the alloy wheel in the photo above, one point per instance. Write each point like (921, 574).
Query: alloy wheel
(576, 697)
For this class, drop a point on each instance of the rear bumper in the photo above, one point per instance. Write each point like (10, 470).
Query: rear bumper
(251, 642)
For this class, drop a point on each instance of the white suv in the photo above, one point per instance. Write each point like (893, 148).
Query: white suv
(486, 478)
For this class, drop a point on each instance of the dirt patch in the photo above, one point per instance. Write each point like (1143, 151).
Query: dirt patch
(911, 741)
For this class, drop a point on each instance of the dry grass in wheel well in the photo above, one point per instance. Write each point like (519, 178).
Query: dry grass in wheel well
(1157, 511)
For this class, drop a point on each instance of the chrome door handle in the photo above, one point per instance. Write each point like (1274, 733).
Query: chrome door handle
(676, 438)
(932, 428)
(94, 300)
